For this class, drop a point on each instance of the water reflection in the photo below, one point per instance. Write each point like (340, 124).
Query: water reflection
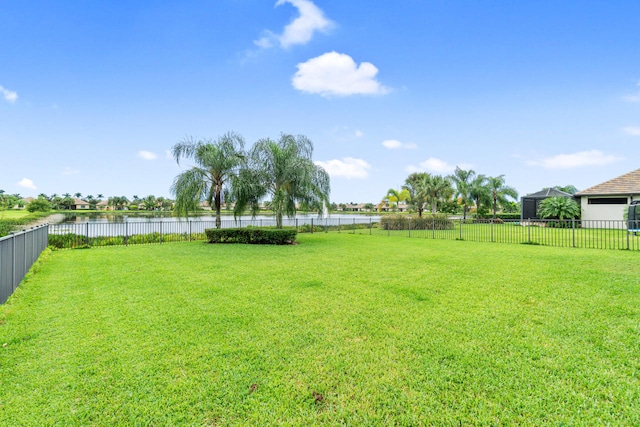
(119, 218)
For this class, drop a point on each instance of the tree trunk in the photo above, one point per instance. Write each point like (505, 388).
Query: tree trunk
(218, 204)
(495, 208)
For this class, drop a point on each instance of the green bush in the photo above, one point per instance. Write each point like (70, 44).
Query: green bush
(257, 236)
(39, 205)
(427, 222)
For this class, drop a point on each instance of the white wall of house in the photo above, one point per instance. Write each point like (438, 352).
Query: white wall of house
(604, 215)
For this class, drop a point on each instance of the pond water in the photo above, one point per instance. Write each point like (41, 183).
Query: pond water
(93, 217)
(92, 225)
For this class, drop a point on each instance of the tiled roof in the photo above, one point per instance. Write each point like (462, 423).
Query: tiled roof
(548, 192)
(628, 183)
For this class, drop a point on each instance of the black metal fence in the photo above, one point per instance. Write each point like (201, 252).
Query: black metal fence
(567, 233)
(18, 252)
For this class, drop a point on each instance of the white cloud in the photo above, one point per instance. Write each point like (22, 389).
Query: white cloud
(438, 166)
(8, 95)
(393, 144)
(348, 167)
(632, 130)
(70, 171)
(359, 133)
(147, 155)
(301, 29)
(337, 74)
(27, 183)
(574, 160)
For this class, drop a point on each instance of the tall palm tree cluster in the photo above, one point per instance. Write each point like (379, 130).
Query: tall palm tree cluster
(223, 171)
(463, 188)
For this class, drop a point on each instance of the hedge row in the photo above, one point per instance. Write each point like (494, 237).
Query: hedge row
(427, 222)
(256, 236)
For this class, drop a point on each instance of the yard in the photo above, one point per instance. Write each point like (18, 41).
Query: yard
(341, 329)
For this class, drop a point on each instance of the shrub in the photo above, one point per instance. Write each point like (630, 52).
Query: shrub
(427, 222)
(559, 208)
(257, 236)
(39, 205)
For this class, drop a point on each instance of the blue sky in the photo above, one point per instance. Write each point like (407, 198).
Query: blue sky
(94, 94)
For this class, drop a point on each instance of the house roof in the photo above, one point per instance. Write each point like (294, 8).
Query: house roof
(628, 183)
(548, 192)
(77, 201)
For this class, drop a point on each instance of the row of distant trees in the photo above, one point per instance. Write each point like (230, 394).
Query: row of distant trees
(65, 202)
(463, 189)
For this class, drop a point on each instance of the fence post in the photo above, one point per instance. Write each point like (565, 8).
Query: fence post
(433, 227)
(573, 232)
(160, 231)
(296, 224)
(338, 225)
(189, 230)
(529, 231)
(354, 226)
(311, 225)
(409, 227)
(370, 226)
(460, 221)
(126, 233)
(13, 262)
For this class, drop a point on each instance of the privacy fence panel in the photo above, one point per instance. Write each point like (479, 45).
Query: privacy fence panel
(18, 252)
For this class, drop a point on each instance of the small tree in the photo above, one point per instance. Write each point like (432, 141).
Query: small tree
(39, 205)
(217, 163)
(559, 208)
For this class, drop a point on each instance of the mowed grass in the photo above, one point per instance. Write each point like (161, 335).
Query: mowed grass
(340, 329)
(14, 213)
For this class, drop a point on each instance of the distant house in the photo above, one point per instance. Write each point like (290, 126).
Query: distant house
(610, 199)
(531, 202)
(103, 206)
(79, 204)
(354, 207)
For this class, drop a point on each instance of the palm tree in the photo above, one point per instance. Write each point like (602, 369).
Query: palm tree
(283, 169)
(479, 192)
(216, 163)
(415, 184)
(395, 196)
(77, 195)
(437, 189)
(149, 202)
(499, 192)
(559, 207)
(462, 180)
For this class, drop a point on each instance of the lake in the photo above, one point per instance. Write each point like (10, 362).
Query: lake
(93, 225)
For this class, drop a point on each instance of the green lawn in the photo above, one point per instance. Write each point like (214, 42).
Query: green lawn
(340, 329)
(14, 214)
(597, 238)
